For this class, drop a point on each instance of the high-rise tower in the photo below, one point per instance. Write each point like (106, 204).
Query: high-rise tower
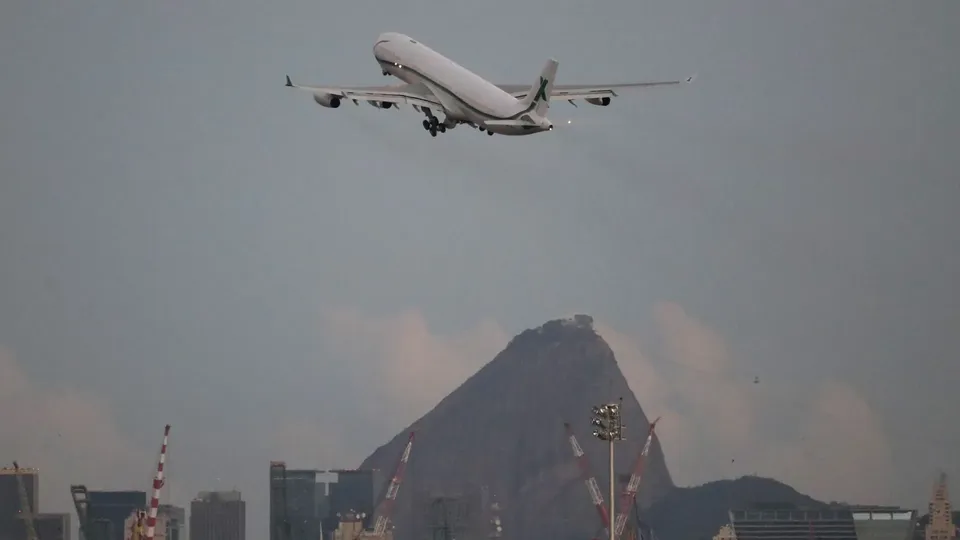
(941, 525)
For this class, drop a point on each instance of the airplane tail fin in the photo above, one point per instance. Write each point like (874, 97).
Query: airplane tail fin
(539, 94)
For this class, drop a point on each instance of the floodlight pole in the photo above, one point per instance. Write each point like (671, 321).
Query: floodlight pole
(613, 483)
(608, 418)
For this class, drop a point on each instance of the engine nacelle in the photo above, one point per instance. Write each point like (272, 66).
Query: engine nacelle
(327, 100)
(603, 102)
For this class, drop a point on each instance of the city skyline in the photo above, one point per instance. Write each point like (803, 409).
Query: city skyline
(183, 241)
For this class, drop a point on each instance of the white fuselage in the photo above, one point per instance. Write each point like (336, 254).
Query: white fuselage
(466, 97)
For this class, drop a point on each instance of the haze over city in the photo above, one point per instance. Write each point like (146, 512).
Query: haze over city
(771, 252)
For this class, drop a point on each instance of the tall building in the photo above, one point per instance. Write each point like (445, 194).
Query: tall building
(10, 492)
(176, 519)
(941, 525)
(12, 525)
(356, 491)
(109, 510)
(297, 500)
(218, 515)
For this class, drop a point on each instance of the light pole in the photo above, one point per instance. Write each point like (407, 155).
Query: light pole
(608, 426)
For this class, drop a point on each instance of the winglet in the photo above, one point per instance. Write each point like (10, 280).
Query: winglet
(289, 82)
(691, 78)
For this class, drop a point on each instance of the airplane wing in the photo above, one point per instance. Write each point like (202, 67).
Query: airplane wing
(410, 94)
(571, 91)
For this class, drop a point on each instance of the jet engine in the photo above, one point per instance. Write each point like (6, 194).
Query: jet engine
(603, 102)
(327, 100)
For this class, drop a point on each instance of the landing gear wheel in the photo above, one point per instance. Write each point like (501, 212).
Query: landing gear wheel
(434, 121)
(426, 124)
(433, 131)
(490, 133)
(442, 128)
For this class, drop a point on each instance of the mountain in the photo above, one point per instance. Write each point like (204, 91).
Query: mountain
(501, 435)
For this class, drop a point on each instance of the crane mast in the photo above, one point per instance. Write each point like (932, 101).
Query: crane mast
(25, 509)
(630, 492)
(588, 478)
(385, 508)
(158, 482)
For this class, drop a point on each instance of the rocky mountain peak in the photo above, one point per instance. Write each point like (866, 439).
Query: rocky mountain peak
(501, 435)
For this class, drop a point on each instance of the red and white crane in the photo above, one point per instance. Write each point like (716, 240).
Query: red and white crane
(385, 508)
(630, 492)
(158, 482)
(588, 478)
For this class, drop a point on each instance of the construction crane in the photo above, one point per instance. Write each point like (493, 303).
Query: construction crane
(26, 512)
(630, 492)
(158, 483)
(385, 508)
(588, 478)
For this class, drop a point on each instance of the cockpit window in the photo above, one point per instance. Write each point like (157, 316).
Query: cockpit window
(412, 41)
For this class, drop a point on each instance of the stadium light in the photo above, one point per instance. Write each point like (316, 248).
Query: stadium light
(608, 426)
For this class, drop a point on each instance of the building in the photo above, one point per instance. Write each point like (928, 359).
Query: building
(10, 491)
(883, 523)
(52, 526)
(175, 520)
(833, 523)
(725, 533)
(356, 491)
(135, 526)
(108, 512)
(308, 504)
(783, 522)
(941, 525)
(12, 526)
(218, 515)
(298, 503)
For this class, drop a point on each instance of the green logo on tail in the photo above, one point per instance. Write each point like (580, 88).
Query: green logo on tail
(542, 93)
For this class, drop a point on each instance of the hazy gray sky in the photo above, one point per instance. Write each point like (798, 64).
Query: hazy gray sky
(184, 240)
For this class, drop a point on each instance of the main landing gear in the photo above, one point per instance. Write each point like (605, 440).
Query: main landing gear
(433, 125)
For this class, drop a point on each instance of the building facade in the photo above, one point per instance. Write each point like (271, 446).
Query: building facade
(725, 533)
(12, 524)
(883, 523)
(135, 526)
(109, 510)
(791, 523)
(218, 515)
(52, 527)
(175, 520)
(940, 526)
(297, 501)
(10, 492)
(355, 491)
(832, 523)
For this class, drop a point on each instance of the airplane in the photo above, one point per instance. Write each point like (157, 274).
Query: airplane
(433, 82)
